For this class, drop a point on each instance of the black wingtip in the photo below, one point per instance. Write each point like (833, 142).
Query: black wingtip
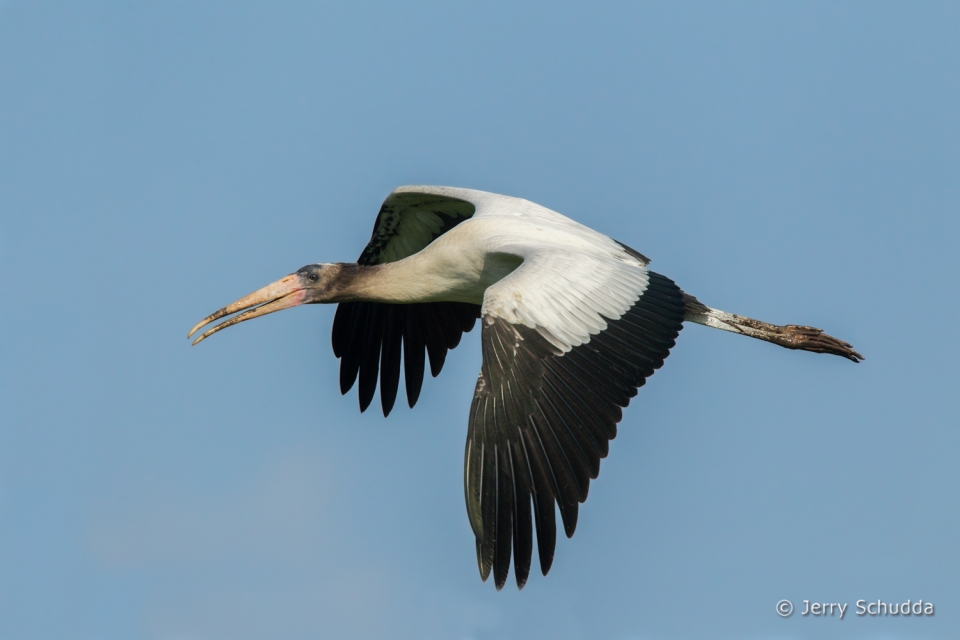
(521, 580)
(346, 379)
(386, 408)
(483, 564)
(569, 514)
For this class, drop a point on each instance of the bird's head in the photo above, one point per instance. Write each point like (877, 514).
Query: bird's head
(310, 284)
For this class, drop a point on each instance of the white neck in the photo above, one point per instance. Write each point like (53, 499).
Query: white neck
(423, 277)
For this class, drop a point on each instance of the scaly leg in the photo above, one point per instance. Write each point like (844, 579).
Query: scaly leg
(791, 336)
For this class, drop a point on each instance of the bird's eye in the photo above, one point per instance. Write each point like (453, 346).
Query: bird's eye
(313, 277)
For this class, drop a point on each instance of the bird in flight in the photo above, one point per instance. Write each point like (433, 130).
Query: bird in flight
(572, 324)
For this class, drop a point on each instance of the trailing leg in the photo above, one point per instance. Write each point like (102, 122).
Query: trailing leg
(791, 336)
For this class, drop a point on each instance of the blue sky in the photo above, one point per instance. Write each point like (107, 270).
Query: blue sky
(796, 163)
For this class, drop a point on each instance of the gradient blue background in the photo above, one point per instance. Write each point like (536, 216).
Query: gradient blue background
(794, 163)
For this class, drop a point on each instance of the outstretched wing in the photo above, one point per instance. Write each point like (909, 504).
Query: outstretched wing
(369, 337)
(566, 343)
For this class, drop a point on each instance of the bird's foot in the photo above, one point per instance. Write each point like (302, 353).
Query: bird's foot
(795, 336)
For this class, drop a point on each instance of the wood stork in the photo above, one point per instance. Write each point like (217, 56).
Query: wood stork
(572, 322)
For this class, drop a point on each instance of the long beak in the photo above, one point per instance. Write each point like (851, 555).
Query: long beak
(282, 294)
